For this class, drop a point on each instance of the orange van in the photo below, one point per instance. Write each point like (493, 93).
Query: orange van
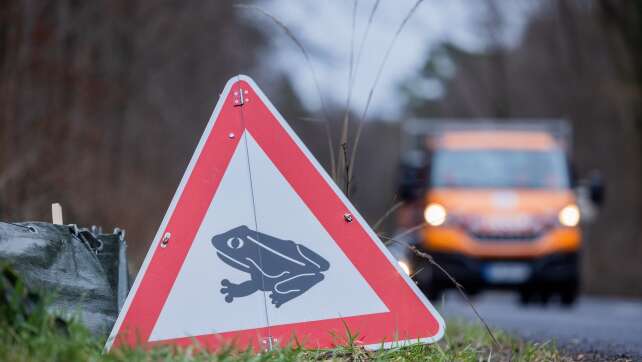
(498, 211)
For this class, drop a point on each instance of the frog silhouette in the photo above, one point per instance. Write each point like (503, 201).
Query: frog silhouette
(282, 267)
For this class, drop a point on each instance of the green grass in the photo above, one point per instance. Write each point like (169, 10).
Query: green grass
(44, 341)
(29, 333)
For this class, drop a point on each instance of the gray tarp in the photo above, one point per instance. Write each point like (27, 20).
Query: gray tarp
(84, 272)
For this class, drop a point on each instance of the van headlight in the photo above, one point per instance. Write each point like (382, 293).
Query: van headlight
(405, 267)
(569, 215)
(435, 214)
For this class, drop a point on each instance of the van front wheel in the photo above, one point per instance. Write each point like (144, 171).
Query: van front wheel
(428, 285)
(525, 296)
(568, 295)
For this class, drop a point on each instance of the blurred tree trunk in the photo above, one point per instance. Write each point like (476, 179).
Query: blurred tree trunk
(102, 103)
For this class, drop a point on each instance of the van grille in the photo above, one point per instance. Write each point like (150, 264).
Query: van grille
(514, 236)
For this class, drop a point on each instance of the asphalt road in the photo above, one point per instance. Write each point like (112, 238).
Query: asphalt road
(604, 325)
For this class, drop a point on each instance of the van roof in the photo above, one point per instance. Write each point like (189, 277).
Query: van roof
(496, 139)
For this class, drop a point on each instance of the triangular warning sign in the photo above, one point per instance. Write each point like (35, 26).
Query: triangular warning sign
(259, 246)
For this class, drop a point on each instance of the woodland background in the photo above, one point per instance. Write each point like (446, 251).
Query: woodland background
(102, 103)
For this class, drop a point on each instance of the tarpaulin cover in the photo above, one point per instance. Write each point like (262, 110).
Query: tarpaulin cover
(84, 273)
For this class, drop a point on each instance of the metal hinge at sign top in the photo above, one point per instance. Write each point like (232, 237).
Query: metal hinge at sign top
(268, 343)
(240, 97)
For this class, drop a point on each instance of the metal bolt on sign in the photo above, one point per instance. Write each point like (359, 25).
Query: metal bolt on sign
(240, 97)
(268, 343)
(165, 239)
(348, 217)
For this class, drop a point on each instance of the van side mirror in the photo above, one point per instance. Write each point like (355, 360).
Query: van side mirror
(572, 173)
(412, 176)
(596, 187)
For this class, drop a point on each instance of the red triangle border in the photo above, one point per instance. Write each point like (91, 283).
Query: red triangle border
(411, 318)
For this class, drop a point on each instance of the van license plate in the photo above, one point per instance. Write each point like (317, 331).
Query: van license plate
(507, 272)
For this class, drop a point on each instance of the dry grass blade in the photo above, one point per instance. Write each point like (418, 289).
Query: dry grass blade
(344, 168)
(363, 40)
(389, 212)
(459, 287)
(376, 81)
(343, 162)
(354, 69)
(410, 230)
(355, 64)
(308, 61)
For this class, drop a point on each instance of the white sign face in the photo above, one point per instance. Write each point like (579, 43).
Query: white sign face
(259, 244)
(196, 306)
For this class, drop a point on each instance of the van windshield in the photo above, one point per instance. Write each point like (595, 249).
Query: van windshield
(499, 169)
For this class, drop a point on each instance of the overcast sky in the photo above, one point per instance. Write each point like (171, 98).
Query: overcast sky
(325, 29)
